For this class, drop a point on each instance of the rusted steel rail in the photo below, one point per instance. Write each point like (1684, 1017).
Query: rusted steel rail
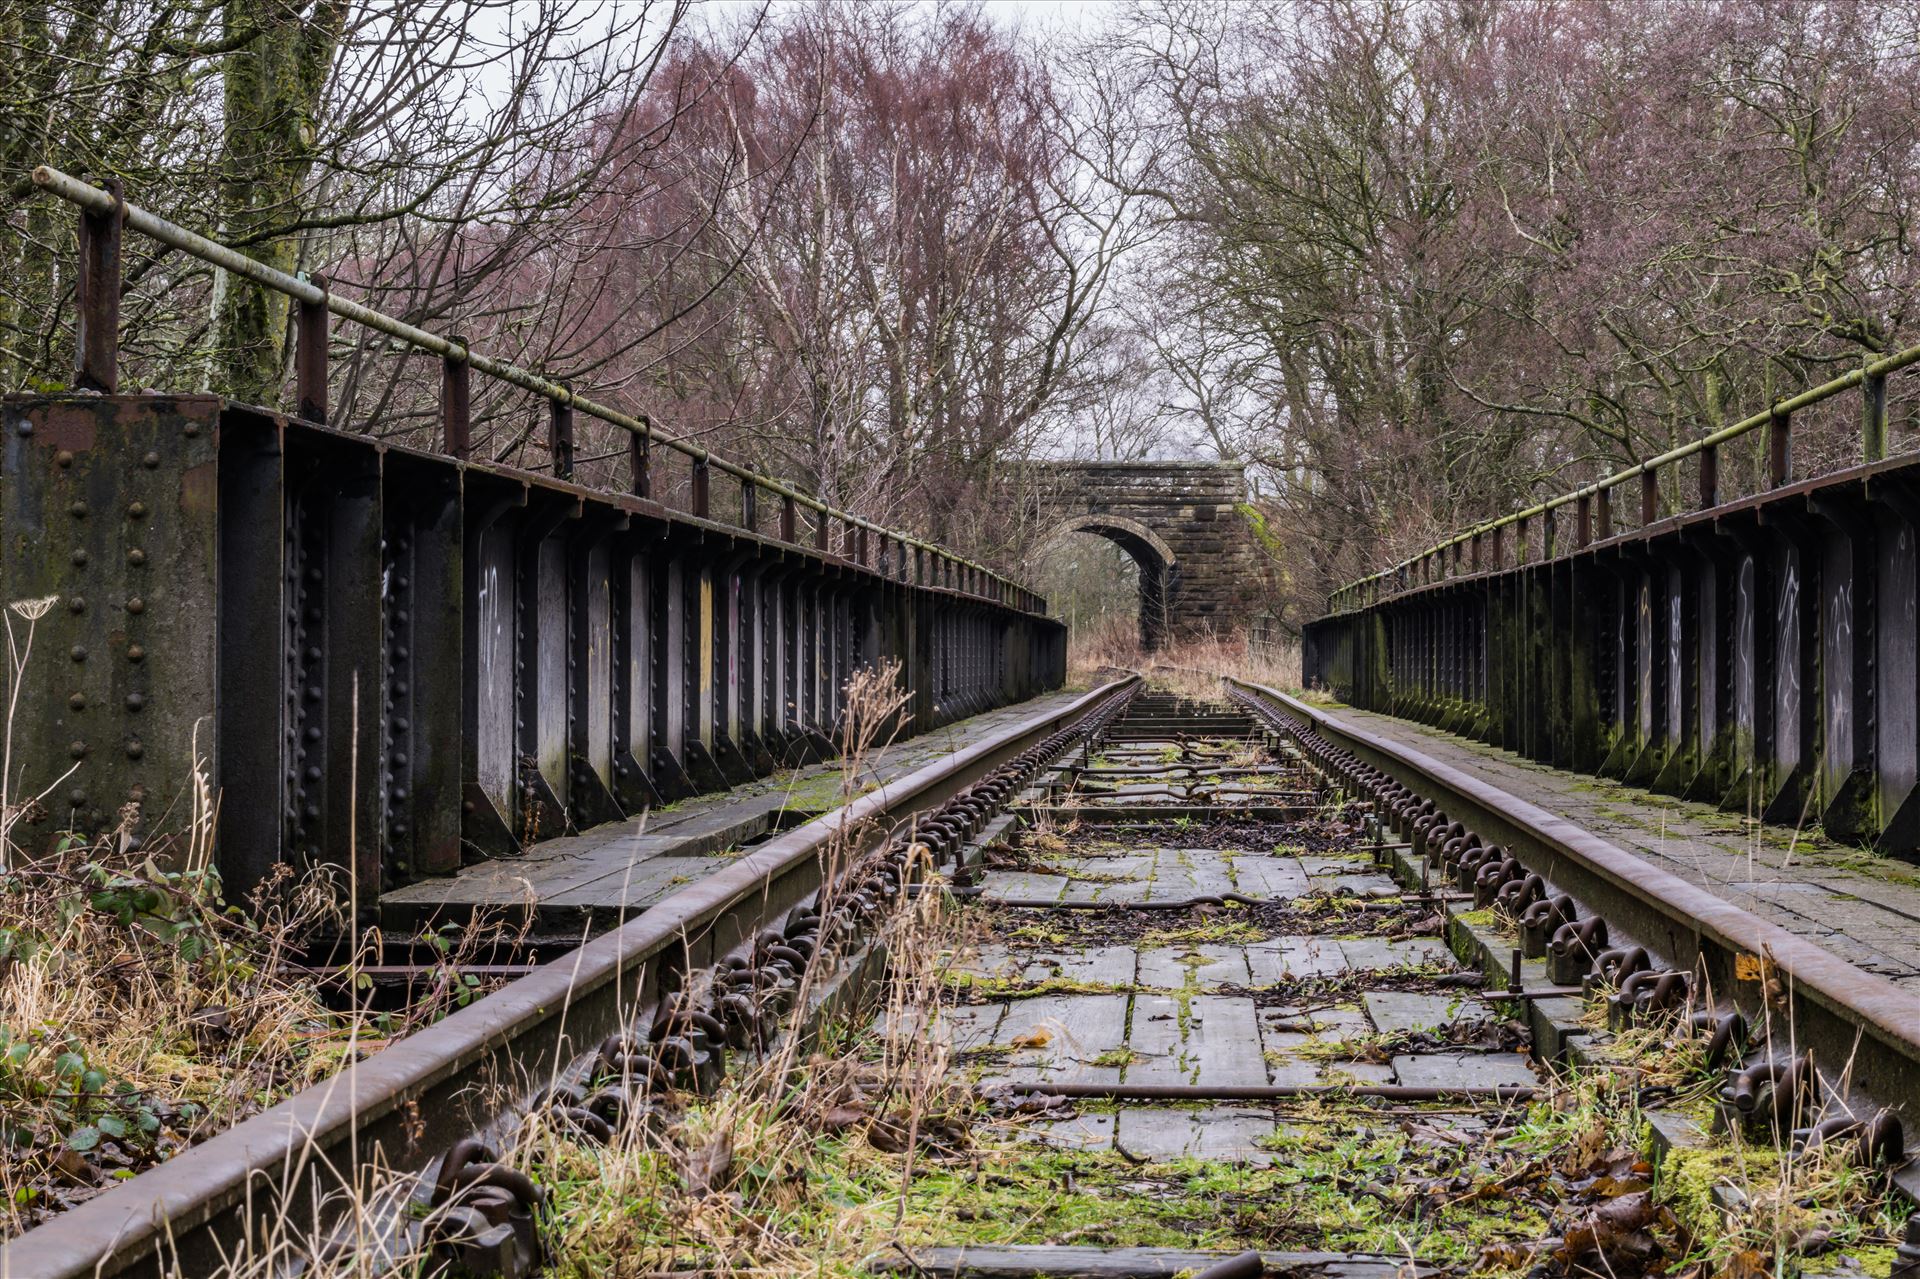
(409, 1105)
(1852, 1020)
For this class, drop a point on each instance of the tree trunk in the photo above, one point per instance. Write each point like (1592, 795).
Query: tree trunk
(273, 85)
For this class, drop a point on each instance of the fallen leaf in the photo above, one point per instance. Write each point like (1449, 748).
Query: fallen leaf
(1035, 1038)
(843, 1117)
(887, 1134)
(705, 1170)
(1614, 1229)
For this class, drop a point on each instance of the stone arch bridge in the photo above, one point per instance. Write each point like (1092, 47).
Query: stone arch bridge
(1181, 522)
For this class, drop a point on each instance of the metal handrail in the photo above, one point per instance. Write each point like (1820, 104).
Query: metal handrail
(107, 204)
(1871, 375)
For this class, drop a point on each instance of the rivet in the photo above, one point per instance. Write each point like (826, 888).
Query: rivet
(64, 458)
(313, 653)
(313, 772)
(135, 701)
(78, 652)
(78, 510)
(466, 806)
(136, 557)
(136, 652)
(150, 461)
(78, 701)
(313, 734)
(137, 510)
(76, 605)
(135, 750)
(79, 556)
(190, 430)
(312, 812)
(24, 428)
(136, 605)
(77, 799)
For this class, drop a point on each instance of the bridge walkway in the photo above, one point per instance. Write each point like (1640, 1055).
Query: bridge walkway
(593, 880)
(1860, 905)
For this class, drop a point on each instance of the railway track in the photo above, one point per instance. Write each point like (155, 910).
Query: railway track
(1192, 978)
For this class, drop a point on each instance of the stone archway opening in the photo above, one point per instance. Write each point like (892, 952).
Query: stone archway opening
(1089, 560)
(1182, 526)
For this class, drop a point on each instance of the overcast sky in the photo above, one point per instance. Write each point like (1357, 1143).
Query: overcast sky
(1036, 12)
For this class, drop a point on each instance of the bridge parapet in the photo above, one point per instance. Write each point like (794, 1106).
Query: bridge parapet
(393, 659)
(1760, 653)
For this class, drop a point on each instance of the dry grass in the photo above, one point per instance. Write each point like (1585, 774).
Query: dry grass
(758, 1176)
(141, 1013)
(1190, 667)
(801, 1165)
(138, 1014)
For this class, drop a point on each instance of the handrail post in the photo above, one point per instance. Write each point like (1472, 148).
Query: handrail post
(1649, 496)
(1873, 415)
(1582, 522)
(789, 517)
(700, 491)
(1779, 448)
(820, 531)
(860, 547)
(1474, 551)
(1603, 514)
(96, 338)
(456, 401)
(560, 437)
(310, 356)
(1709, 476)
(640, 464)
(750, 506)
(1499, 549)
